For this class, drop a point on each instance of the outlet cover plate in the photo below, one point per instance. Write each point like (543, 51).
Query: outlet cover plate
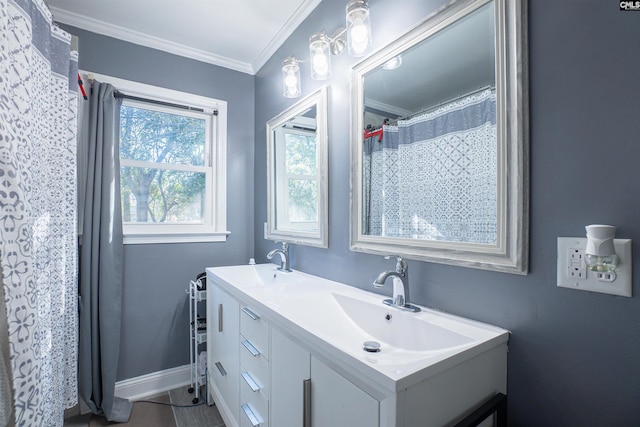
(568, 247)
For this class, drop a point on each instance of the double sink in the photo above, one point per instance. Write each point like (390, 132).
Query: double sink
(399, 347)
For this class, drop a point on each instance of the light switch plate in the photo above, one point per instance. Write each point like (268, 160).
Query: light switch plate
(573, 274)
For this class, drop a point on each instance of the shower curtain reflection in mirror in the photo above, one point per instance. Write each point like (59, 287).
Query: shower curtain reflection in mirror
(433, 176)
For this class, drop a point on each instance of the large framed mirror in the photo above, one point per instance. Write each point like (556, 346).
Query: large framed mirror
(297, 147)
(439, 140)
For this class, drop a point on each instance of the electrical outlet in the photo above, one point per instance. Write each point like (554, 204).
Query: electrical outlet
(572, 271)
(577, 268)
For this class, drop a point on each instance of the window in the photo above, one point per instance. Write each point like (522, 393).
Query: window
(172, 165)
(297, 175)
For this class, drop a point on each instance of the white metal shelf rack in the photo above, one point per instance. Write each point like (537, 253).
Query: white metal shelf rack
(197, 336)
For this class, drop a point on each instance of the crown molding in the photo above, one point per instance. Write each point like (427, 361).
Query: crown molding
(287, 29)
(135, 37)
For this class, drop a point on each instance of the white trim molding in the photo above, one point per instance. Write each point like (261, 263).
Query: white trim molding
(146, 40)
(122, 33)
(214, 228)
(154, 383)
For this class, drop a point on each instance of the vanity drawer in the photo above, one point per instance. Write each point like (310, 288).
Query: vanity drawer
(257, 366)
(254, 407)
(255, 329)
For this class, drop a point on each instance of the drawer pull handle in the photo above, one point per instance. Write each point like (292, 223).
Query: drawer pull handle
(253, 417)
(254, 351)
(306, 403)
(220, 317)
(250, 381)
(223, 372)
(250, 313)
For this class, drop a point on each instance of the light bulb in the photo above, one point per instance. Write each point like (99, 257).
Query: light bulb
(359, 27)
(291, 78)
(320, 54)
(291, 81)
(320, 63)
(358, 31)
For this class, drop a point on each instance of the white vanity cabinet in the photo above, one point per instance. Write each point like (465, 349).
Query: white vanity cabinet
(304, 386)
(286, 362)
(254, 368)
(223, 357)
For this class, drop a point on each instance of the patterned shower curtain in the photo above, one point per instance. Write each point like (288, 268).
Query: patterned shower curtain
(38, 204)
(434, 176)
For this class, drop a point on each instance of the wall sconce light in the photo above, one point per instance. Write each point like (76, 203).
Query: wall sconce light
(600, 254)
(320, 56)
(321, 47)
(358, 27)
(291, 78)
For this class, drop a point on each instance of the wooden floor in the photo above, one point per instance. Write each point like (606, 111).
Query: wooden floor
(170, 409)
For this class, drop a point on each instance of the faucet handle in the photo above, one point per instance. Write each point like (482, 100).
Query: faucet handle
(401, 264)
(285, 245)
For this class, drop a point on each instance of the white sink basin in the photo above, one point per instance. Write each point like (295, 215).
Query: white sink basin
(249, 276)
(343, 317)
(266, 281)
(400, 329)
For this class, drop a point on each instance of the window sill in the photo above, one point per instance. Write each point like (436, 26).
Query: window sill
(143, 239)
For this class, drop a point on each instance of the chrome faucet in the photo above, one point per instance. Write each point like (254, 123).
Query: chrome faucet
(400, 277)
(284, 257)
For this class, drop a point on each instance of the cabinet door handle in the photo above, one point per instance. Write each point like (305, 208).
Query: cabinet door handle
(223, 372)
(253, 418)
(254, 351)
(250, 381)
(251, 314)
(220, 317)
(306, 403)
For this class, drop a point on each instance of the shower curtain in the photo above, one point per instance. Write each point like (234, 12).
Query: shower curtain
(433, 176)
(38, 252)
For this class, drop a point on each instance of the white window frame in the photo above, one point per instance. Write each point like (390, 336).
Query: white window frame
(214, 227)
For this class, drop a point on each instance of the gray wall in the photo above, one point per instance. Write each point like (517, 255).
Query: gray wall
(573, 356)
(155, 310)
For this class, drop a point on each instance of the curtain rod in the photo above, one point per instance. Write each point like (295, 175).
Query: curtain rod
(432, 108)
(119, 94)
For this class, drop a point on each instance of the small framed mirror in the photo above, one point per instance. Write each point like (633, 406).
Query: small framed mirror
(297, 173)
(439, 143)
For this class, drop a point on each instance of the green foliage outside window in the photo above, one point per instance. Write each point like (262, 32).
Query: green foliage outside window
(302, 169)
(159, 195)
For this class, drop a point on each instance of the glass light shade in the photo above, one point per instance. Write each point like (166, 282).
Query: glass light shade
(358, 27)
(320, 54)
(600, 254)
(291, 87)
(393, 63)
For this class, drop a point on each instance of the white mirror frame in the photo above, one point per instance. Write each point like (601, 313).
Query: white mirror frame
(320, 239)
(511, 252)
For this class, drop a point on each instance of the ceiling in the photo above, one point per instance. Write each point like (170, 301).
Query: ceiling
(237, 34)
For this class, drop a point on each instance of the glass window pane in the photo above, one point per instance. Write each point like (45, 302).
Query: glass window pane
(152, 195)
(160, 137)
(303, 200)
(301, 156)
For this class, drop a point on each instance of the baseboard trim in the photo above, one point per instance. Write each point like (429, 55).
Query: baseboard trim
(154, 383)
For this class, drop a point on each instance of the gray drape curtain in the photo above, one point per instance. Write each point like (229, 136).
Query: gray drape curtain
(101, 253)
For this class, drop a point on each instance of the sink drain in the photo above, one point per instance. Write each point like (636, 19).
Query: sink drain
(371, 346)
